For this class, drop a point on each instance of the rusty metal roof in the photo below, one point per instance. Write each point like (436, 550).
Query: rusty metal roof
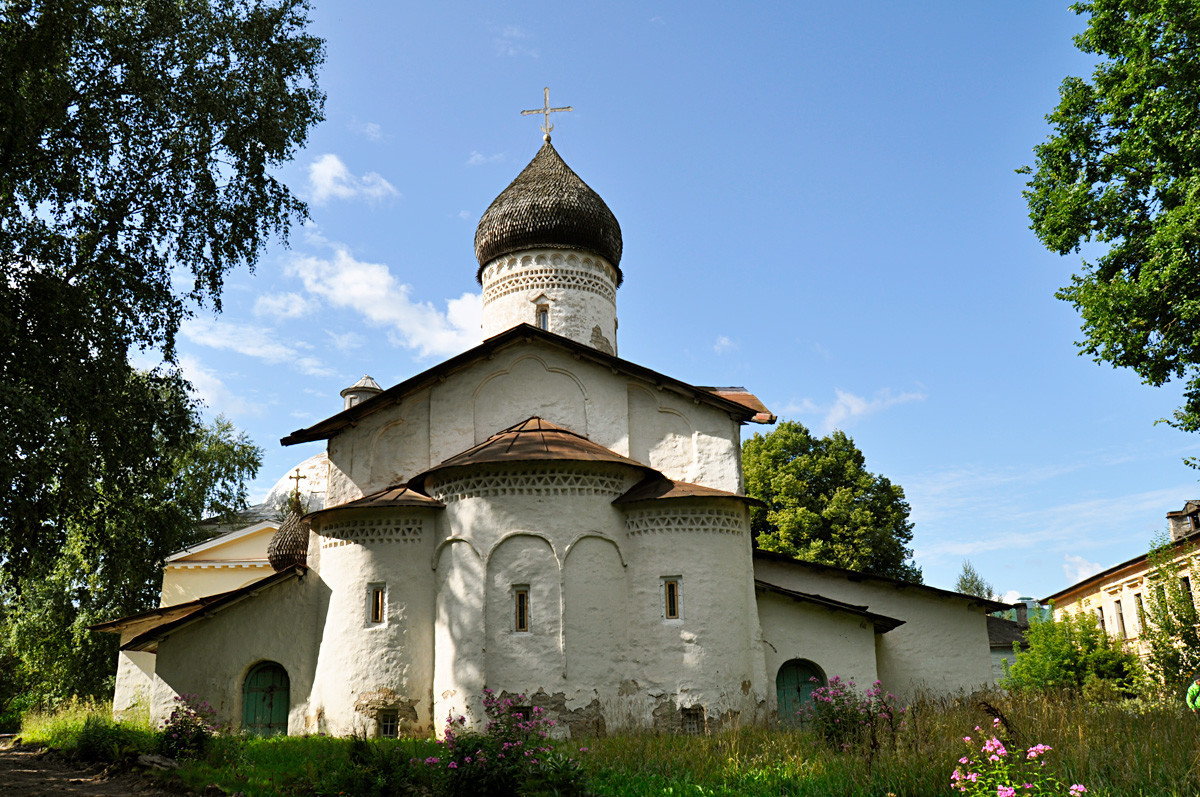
(395, 496)
(747, 399)
(657, 487)
(532, 440)
(520, 334)
(548, 205)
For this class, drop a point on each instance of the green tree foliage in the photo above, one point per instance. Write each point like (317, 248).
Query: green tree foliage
(823, 505)
(138, 148)
(107, 562)
(971, 583)
(1169, 623)
(1122, 168)
(1069, 654)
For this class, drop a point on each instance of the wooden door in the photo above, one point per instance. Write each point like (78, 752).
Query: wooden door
(794, 686)
(265, 700)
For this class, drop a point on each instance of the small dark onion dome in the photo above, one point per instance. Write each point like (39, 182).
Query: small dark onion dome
(289, 546)
(548, 206)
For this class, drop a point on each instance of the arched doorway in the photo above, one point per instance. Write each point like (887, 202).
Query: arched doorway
(794, 686)
(265, 700)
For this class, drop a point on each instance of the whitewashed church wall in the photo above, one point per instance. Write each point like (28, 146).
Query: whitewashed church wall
(710, 656)
(524, 660)
(840, 643)
(459, 675)
(135, 680)
(942, 646)
(578, 291)
(279, 624)
(364, 666)
(596, 629)
(387, 447)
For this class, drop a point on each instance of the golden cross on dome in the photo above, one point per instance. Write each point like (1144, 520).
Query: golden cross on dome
(546, 110)
(297, 479)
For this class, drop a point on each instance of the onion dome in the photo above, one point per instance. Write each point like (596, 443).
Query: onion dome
(289, 546)
(548, 206)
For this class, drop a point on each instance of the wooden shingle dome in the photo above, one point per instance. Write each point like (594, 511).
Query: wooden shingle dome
(548, 206)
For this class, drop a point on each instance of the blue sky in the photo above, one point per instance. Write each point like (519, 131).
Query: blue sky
(818, 202)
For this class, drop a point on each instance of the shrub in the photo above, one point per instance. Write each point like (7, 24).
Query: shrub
(1067, 653)
(845, 720)
(104, 739)
(995, 770)
(188, 730)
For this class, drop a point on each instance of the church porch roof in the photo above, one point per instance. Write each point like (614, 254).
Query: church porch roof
(154, 625)
(521, 334)
(882, 622)
(747, 399)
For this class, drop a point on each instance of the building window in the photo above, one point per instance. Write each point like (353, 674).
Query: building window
(542, 316)
(1120, 615)
(1100, 617)
(672, 597)
(376, 604)
(692, 719)
(1185, 584)
(389, 724)
(521, 609)
(1141, 611)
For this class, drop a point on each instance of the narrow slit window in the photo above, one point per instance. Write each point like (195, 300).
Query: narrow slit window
(671, 599)
(542, 316)
(1185, 584)
(1100, 617)
(521, 609)
(1120, 615)
(1141, 611)
(376, 604)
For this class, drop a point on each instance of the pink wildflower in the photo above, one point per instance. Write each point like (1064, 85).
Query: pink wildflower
(1005, 791)
(1077, 790)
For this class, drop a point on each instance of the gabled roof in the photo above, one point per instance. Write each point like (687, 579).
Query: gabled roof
(1003, 633)
(854, 575)
(882, 622)
(747, 399)
(394, 496)
(224, 538)
(532, 440)
(522, 333)
(657, 487)
(156, 624)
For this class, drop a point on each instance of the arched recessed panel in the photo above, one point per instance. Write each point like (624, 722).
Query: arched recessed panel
(529, 387)
(266, 696)
(794, 686)
(595, 611)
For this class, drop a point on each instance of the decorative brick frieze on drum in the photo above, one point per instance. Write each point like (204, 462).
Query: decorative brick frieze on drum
(530, 481)
(660, 521)
(543, 271)
(369, 531)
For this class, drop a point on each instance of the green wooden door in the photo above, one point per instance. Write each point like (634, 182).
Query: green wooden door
(794, 686)
(265, 700)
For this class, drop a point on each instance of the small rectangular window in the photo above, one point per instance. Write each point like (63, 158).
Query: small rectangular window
(389, 724)
(542, 314)
(692, 719)
(521, 609)
(1100, 616)
(376, 604)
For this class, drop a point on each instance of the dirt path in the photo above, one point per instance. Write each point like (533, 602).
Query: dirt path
(26, 772)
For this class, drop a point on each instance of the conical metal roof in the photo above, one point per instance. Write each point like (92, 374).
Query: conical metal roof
(549, 206)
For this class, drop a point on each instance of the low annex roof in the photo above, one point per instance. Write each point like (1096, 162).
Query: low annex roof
(155, 625)
(738, 407)
(1002, 633)
(854, 575)
(657, 487)
(396, 495)
(882, 622)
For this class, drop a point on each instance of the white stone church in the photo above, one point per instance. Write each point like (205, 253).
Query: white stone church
(538, 516)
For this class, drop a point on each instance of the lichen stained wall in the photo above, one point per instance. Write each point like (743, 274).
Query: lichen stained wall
(366, 666)
(942, 646)
(211, 658)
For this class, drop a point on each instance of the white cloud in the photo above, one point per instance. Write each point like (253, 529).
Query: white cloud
(208, 387)
(372, 131)
(1012, 596)
(371, 290)
(345, 341)
(478, 158)
(328, 178)
(282, 305)
(724, 345)
(251, 341)
(509, 40)
(847, 406)
(465, 215)
(1077, 568)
